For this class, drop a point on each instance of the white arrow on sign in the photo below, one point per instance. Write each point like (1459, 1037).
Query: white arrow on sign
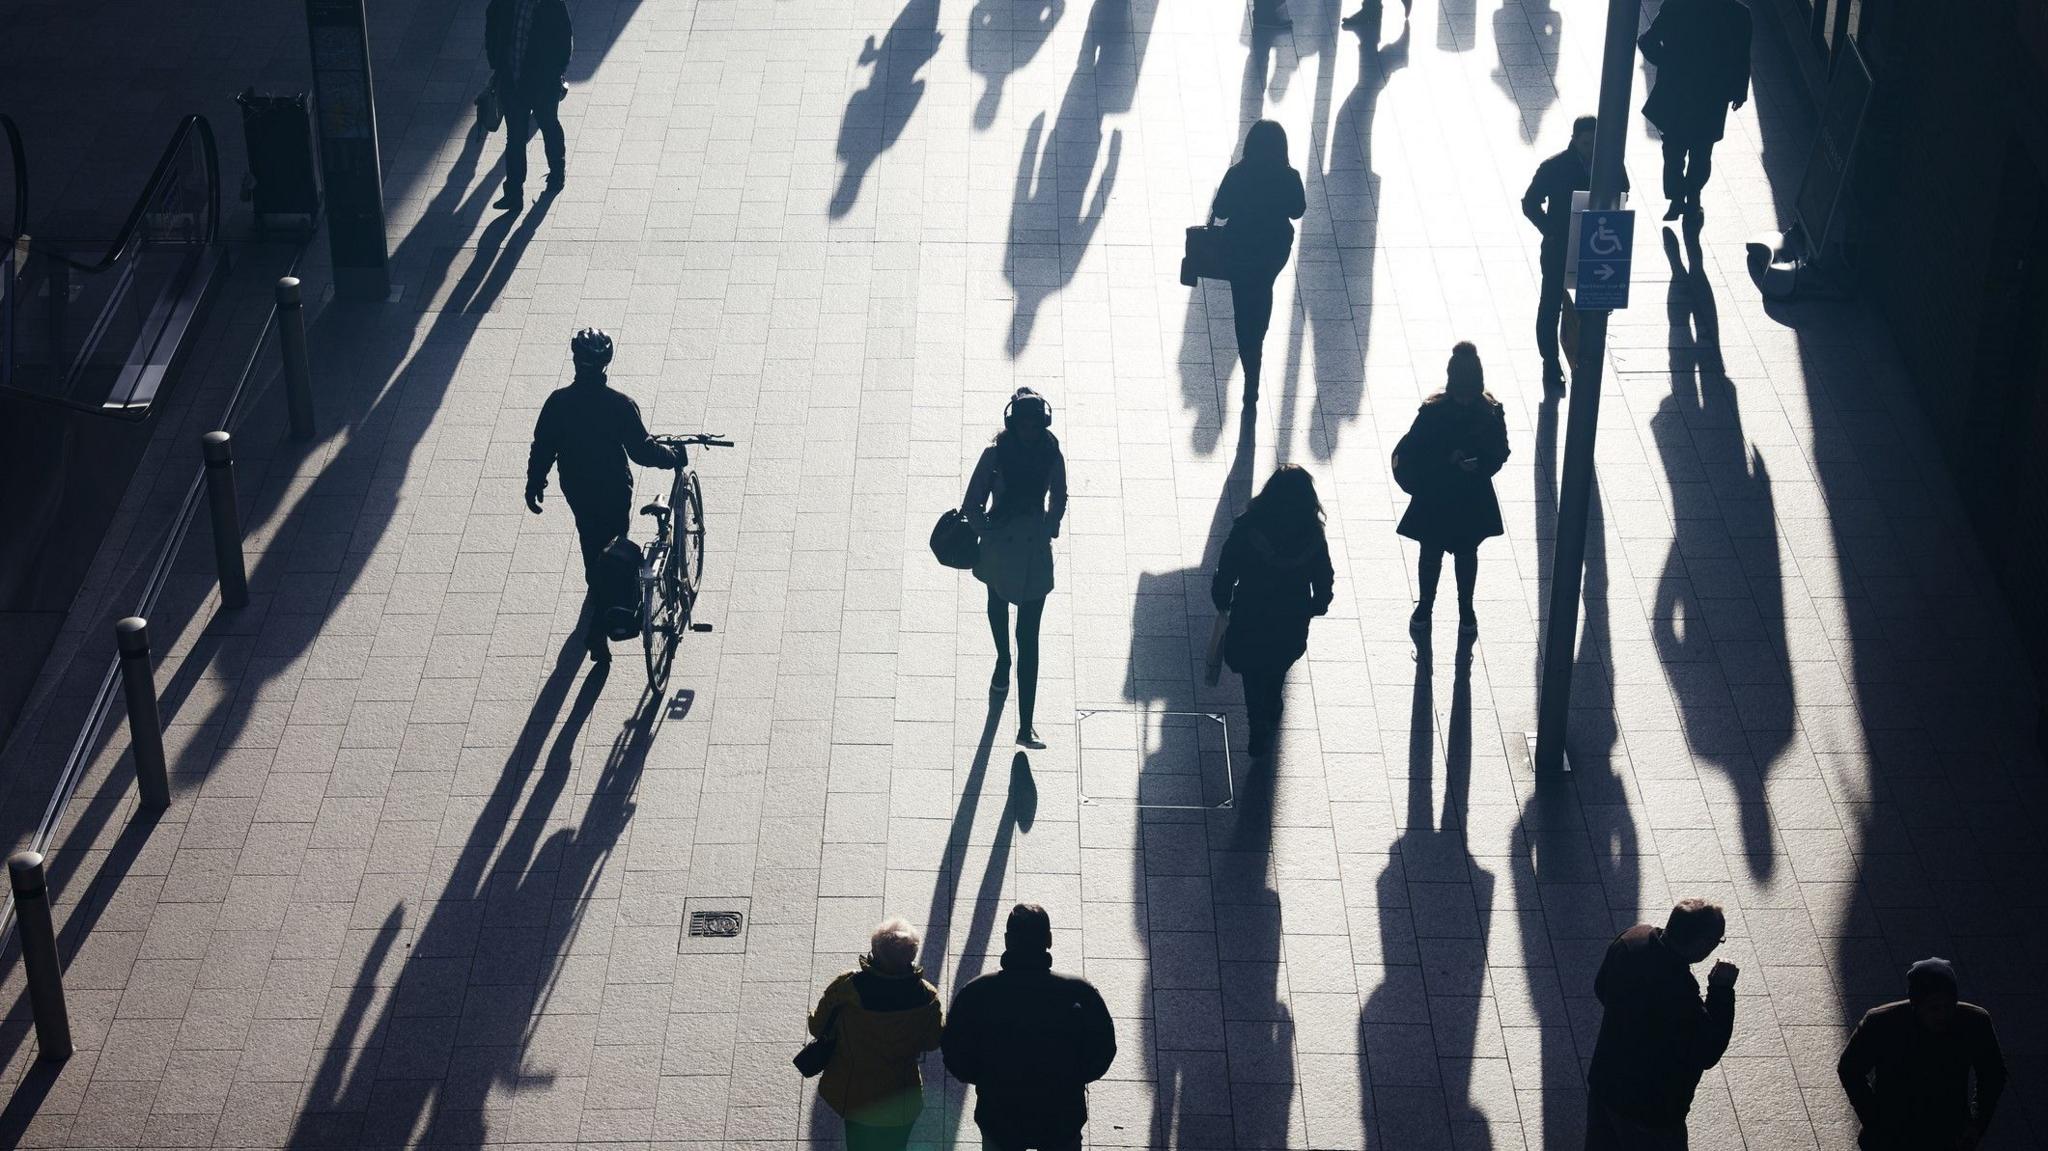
(1604, 271)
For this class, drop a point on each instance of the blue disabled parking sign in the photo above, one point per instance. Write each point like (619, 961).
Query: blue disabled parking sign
(1605, 241)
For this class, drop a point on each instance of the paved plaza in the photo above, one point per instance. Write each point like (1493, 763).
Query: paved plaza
(427, 878)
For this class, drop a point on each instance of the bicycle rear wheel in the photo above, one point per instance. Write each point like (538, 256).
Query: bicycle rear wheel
(658, 622)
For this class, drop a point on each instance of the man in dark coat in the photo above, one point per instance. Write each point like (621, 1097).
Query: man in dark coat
(1907, 1068)
(589, 431)
(527, 43)
(1701, 51)
(1548, 205)
(1656, 1037)
(1030, 1042)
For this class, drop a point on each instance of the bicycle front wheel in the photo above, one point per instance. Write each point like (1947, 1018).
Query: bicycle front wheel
(683, 571)
(658, 624)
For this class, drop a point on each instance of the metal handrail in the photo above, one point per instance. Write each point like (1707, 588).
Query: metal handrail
(19, 159)
(159, 574)
(191, 124)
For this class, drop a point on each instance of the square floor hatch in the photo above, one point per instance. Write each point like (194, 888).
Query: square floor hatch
(1155, 759)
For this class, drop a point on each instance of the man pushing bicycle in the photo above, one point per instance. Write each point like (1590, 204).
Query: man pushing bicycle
(589, 431)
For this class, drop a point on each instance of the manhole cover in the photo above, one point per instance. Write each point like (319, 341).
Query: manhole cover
(1140, 757)
(714, 923)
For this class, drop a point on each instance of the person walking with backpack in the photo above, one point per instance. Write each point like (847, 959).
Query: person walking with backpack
(1029, 1042)
(528, 44)
(1273, 576)
(1015, 501)
(587, 431)
(1447, 462)
(879, 1018)
(1259, 198)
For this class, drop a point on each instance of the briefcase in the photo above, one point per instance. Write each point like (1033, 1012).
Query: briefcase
(1208, 255)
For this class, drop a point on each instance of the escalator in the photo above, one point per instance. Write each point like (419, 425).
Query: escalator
(92, 331)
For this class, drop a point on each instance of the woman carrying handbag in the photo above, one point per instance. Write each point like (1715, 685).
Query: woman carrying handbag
(1447, 462)
(1015, 500)
(1259, 197)
(1273, 577)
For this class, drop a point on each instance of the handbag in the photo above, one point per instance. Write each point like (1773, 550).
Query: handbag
(489, 114)
(953, 541)
(1212, 672)
(1208, 255)
(816, 1054)
(1407, 469)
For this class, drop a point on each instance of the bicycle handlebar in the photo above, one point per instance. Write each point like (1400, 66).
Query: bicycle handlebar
(701, 439)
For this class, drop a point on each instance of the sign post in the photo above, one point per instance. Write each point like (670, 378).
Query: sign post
(348, 148)
(1605, 234)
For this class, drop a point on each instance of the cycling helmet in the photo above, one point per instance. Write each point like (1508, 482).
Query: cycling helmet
(591, 348)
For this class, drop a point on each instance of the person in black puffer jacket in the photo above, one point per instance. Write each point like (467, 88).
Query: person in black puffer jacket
(1273, 577)
(1030, 1042)
(1447, 461)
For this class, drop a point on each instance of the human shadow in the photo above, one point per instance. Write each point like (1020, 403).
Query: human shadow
(1053, 217)
(1527, 35)
(877, 114)
(1719, 619)
(1419, 1028)
(1002, 37)
(1218, 1043)
(1206, 333)
(1334, 279)
(1573, 852)
(462, 1025)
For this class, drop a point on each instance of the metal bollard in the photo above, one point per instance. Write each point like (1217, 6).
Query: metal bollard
(145, 727)
(298, 372)
(39, 954)
(227, 520)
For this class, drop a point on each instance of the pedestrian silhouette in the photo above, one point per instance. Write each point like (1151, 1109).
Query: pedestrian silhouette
(1030, 1042)
(1003, 36)
(1700, 49)
(588, 432)
(1656, 1036)
(1548, 205)
(1447, 462)
(1015, 500)
(1258, 198)
(1907, 1068)
(1366, 21)
(879, 1018)
(1273, 576)
(527, 43)
(877, 114)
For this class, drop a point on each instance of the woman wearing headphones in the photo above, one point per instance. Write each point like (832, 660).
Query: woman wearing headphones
(1015, 501)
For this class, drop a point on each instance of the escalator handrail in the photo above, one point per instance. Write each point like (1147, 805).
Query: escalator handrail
(191, 124)
(19, 160)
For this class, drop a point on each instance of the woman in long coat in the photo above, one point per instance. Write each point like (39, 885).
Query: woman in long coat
(1259, 198)
(1015, 500)
(1273, 577)
(1447, 462)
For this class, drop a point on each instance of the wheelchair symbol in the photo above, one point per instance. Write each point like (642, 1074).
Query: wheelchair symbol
(1604, 241)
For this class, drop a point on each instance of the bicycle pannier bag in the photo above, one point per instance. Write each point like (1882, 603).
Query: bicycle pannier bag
(954, 542)
(1208, 255)
(617, 588)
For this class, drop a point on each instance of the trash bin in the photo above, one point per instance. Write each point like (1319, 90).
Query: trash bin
(278, 132)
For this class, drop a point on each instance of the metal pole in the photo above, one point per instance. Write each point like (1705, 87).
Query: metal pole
(39, 954)
(1582, 427)
(291, 340)
(227, 521)
(145, 727)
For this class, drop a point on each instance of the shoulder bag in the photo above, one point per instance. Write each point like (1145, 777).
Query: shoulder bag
(1207, 255)
(816, 1054)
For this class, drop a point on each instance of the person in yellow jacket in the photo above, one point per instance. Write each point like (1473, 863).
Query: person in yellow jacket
(885, 1015)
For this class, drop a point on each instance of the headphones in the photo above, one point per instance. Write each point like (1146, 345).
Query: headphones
(1029, 398)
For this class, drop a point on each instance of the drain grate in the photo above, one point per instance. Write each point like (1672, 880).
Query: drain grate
(717, 924)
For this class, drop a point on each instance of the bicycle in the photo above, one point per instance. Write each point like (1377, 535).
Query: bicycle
(672, 567)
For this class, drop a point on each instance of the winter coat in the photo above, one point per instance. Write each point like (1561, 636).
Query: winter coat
(535, 77)
(1030, 1042)
(1016, 499)
(1701, 51)
(1452, 508)
(1921, 1094)
(1656, 1037)
(589, 431)
(1272, 584)
(884, 1023)
(1256, 203)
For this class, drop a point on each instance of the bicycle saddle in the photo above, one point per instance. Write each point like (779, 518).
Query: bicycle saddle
(656, 509)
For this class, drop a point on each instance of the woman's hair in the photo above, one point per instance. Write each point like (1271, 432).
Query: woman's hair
(1266, 144)
(1289, 497)
(1464, 371)
(893, 946)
